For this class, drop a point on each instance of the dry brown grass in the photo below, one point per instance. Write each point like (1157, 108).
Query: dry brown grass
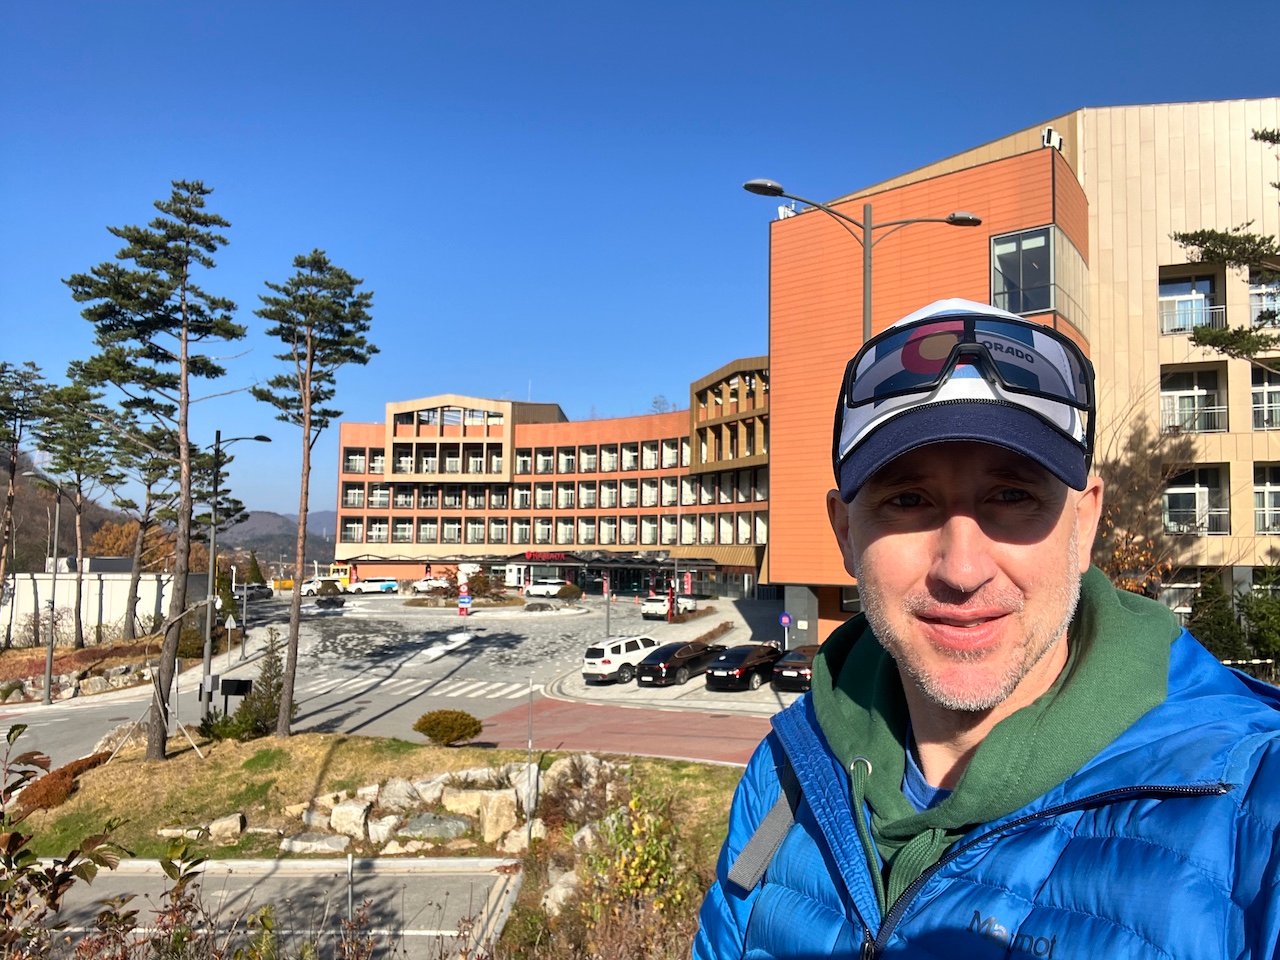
(19, 664)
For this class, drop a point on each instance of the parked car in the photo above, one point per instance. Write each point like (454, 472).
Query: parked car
(655, 608)
(794, 669)
(615, 658)
(545, 588)
(429, 584)
(374, 585)
(745, 667)
(311, 587)
(257, 591)
(677, 662)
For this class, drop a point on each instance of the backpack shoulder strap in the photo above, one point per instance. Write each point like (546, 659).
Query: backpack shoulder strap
(755, 857)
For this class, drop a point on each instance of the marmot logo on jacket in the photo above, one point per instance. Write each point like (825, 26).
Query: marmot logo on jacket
(1024, 942)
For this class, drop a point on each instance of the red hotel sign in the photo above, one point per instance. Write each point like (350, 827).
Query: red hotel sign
(546, 557)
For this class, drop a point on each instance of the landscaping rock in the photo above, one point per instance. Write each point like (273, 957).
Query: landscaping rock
(382, 829)
(118, 735)
(462, 844)
(558, 894)
(430, 790)
(369, 792)
(315, 843)
(226, 831)
(398, 795)
(181, 833)
(315, 819)
(92, 685)
(433, 826)
(296, 809)
(330, 800)
(526, 780)
(350, 817)
(517, 841)
(587, 837)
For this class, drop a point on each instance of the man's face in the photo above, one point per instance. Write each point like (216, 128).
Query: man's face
(968, 559)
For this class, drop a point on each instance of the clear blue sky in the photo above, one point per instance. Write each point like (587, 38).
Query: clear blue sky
(544, 197)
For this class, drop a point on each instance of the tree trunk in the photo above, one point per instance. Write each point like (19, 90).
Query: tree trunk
(285, 718)
(79, 604)
(129, 630)
(158, 726)
(6, 527)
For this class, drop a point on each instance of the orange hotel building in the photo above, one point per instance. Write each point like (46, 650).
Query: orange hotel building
(1078, 213)
(521, 492)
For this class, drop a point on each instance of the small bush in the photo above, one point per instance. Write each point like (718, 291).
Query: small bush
(328, 588)
(53, 789)
(447, 727)
(570, 592)
(260, 709)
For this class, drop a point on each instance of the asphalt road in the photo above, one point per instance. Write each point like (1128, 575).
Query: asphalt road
(376, 666)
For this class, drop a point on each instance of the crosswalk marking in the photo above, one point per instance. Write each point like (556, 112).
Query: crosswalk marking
(408, 687)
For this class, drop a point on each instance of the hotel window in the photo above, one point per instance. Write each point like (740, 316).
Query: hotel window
(474, 417)
(670, 454)
(1264, 300)
(428, 497)
(476, 497)
(630, 491)
(630, 456)
(498, 498)
(587, 530)
(609, 494)
(1266, 399)
(542, 496)
(403, 498)
(1189, 302)
(402, 531)
(352, 531)
(649, 492)
(668, 530)
(452, 531)
(498, 531)
(1022, 271)
(609, 458)
(628, 537)
(1190, 402)
(566, 460)
(544, 461)
(520, 530)
(587, 460)
(376, 532)
(524, 461)
(453, 497)
(523, 497)
(669, 487)
(1266, 498)
(377, 461)
(586, 495)
(353, 460)
(428, 530)
(649, 531)
(649, 455)
(609, 530)
(564, 531)
(353, 494)
(475, 530)
(1195, 502)
(564, 496)
(542, 530)
(379, 497)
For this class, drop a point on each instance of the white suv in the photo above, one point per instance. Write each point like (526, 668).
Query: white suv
(615, 658)
(544, 588)
(655, 608)
(374, 585)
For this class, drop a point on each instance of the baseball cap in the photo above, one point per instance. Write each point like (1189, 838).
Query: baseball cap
(962, 370)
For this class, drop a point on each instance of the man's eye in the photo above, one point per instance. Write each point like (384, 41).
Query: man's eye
(1013, 495)
(906, 500)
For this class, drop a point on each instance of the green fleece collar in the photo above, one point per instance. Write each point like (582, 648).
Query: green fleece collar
(1117, 670)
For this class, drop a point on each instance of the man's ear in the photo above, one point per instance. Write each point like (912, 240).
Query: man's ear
(1088, 514)
(838, 515)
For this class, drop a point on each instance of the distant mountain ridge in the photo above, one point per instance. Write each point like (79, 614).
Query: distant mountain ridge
(274, 535)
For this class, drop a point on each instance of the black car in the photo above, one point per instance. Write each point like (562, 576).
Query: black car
(676, 663)
(744, 667)
(330, 602)
(794, 671)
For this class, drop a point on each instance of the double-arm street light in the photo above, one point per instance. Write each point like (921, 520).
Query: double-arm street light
(47, 696)
(866, 232)
(206, 683)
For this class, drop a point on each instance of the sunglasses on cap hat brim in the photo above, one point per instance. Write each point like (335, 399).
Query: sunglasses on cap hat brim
(966, 357)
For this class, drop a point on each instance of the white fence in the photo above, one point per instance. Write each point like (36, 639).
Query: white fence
(103, 597)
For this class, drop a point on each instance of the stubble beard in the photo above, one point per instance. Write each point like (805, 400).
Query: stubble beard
(1040, 637)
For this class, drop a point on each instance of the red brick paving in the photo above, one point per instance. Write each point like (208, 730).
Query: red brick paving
(684, 734)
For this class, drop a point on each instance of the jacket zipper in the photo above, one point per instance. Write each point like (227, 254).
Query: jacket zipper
(870, 949)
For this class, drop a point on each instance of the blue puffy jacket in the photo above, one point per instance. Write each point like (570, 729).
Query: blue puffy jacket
(1163, 845)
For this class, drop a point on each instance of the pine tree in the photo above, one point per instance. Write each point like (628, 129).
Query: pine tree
(151, 321)
(21, 389)
(322, 320)
(1260, 610)
(255, 571)
(1213, 621)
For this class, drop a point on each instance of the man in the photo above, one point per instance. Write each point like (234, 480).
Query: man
(1003, 756)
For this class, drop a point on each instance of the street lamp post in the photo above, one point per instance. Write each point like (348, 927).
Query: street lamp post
(865, 235)
(47, 696)
(206, 691)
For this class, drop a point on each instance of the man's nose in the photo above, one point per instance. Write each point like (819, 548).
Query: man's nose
(962, 557)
